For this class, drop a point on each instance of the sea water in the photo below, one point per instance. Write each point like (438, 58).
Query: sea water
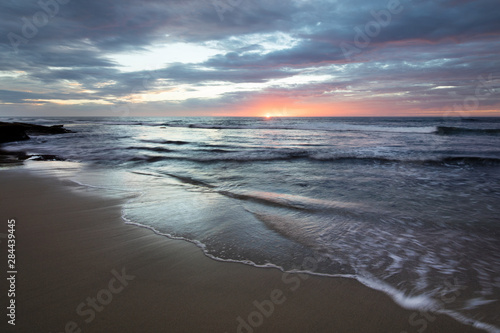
(408, 206)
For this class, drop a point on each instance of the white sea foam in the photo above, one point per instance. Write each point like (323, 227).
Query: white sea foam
(315, 126)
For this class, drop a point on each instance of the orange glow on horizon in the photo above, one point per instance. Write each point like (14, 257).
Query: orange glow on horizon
(274, 107)
(269, 107)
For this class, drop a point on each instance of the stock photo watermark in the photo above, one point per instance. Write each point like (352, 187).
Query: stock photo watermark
(30, 26)
(11, 270)
(486, 86)
(420, 320)
(223, 6)
(149, 81)
(264, 309)
(372, 29)
(88, 308)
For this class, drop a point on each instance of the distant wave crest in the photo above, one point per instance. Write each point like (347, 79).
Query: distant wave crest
(215, 156)
(451, 130)
(313, 127)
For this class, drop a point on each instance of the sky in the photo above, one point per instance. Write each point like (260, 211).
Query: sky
(250, 58)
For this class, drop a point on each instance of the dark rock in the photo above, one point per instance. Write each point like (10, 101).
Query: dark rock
(11, 157)
(47, 158)
(10, 132)
(39, 129)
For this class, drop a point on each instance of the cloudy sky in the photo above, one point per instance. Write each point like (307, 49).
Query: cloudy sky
(250, 57)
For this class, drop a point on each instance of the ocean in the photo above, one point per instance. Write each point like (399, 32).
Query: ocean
(407, 206)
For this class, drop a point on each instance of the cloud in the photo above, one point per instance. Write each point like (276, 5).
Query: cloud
(392, 51)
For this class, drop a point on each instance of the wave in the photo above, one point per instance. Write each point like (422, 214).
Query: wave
(215, 156)
(220, 155)
(216, 150)
(166, 142)
(283, 200)
(275, 199)
(264, 125)
(147, 158)
(155, 149)
(471, 160)
(457, 160)
(136, 123)
(316, 126)
(451, 130)
(313, 127)
(190, 180)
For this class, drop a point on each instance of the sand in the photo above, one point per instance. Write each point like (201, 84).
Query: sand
(82, 269)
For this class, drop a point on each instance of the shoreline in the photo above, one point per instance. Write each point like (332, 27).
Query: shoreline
(81, 267)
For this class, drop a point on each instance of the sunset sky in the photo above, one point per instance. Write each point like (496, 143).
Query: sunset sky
(250, 58)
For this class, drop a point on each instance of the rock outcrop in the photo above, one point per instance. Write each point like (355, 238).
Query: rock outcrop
(10, 132)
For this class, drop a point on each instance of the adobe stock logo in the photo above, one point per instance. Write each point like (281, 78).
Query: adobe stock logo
(30, 26)
(372, 29)
(97, 304)
(223, 6)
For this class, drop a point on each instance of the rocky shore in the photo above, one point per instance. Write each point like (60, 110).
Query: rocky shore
(12, 132)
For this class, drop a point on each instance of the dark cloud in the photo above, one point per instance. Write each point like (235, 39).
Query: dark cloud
(9, 96)
(399, 49)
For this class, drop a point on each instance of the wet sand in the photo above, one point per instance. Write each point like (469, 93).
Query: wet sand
(82, 269)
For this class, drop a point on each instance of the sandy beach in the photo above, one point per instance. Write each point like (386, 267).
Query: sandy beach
(80, 268)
